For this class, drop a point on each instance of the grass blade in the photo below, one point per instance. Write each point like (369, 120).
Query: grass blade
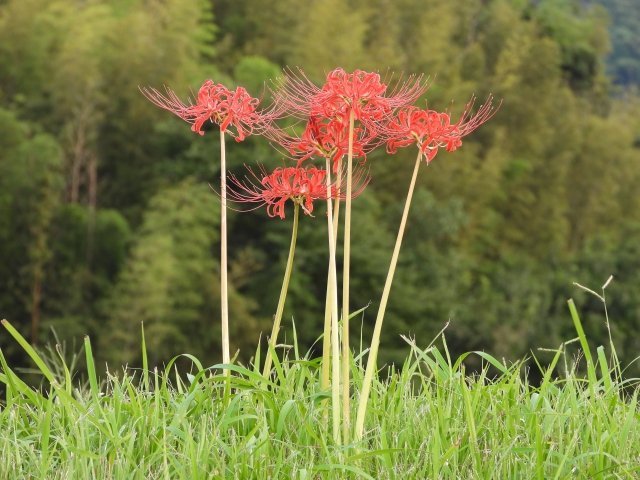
(30, 351)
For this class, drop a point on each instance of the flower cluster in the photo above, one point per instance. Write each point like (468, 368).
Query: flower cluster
(383, 115)
(431, 130)
(359, 92)
(362, 92)
(326, 139)
(234, 111)
(351, 114)
(300, 185)
(327, 111)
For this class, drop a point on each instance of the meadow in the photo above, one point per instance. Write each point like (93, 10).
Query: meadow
(428, 418)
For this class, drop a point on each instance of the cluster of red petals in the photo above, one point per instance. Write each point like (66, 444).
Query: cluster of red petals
(300, 185)
(327, 110)
(431, 130)
(225, 108)
(327, 139)
(360, 92)
(235, 111)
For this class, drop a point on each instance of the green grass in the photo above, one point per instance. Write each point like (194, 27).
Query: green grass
(426, 419)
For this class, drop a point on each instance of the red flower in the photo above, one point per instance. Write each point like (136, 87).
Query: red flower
(431, 130)
(300, 185)
(327, 111)
(234, 111)
(360, 91)
(324, 138)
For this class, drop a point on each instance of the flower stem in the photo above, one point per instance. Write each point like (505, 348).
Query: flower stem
(335, 342)
(326, 339)
(375, 340)
(346, 357)
(224, 300)
(273, 339)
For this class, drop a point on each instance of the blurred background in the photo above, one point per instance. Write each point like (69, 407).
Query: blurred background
(107, 219)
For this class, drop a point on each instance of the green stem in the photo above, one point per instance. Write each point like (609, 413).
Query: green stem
(375, 340)
(224, 300)
(346, 357)
(335, 342)
(326, 338)
(273, 339)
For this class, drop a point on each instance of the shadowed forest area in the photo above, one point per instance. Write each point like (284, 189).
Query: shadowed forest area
(107, 218)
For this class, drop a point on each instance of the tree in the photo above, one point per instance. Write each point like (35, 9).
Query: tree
(624, 59)
(170, 283)
(32, 185)
(331, 34)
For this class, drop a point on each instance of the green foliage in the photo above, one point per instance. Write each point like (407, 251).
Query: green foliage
(331, 33)
(429, 418)
(581, 35)
(253, 72)
(170, 281)
(624, 59)
(31, 184)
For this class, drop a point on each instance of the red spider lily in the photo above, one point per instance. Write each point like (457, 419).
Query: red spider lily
(431, 130)
(360, 91)
(215, 102)
(325, 138)
(300, 185)
(327, 111)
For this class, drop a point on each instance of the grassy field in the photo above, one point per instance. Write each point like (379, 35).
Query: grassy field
(427, 419)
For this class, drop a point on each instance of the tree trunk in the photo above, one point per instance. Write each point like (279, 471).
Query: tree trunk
(92, 171)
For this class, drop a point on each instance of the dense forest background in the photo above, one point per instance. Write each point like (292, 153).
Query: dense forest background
(107, 219)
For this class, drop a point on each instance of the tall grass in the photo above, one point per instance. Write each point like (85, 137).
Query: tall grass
(427, 418)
